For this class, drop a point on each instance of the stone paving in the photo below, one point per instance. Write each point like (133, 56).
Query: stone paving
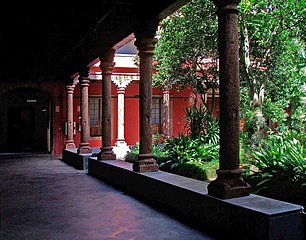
(44, 198)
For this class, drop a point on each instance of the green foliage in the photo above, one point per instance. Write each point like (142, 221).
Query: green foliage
(186, 52)
(191, 157)
(275, 110)
(132, 155)
(184, 149)
(254, 125)
(205, 171)
(184, 156)
(297, 121)
(158, 153)
(273, 76)
(200, 123)
(279, 167)
(273, 59)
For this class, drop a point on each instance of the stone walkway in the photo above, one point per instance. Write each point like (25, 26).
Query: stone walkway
(42, 198)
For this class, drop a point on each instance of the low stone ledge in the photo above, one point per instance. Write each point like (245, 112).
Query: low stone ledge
(249, 217)
(78, 161)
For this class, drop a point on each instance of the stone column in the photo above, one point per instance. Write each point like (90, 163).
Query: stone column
(145, 162)
(106, 67)
(121, 82)
(120, 140)
(229, 182)
(166, 112)
(69, 105)
(85, 127)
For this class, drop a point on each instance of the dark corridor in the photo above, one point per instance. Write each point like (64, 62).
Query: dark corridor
(21, 128)
(25, 122)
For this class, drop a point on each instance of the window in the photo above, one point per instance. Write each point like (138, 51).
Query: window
(95, 113)
(157, 115)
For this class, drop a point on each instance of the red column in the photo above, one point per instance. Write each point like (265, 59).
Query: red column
(106, 67)
(69, 140)
(85, 127)
(145, 162)
(229, 182)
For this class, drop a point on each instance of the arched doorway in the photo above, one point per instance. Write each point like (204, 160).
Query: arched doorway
(25, 120)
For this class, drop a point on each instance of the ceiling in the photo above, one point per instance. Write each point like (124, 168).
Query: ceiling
(50, 41)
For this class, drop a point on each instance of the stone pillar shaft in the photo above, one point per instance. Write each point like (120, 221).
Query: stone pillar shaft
(146, 161)
(229, 89)
(145, 93)
(85, 127)
(106, 105)
(106, 67)
(229, 182)
(69, 141)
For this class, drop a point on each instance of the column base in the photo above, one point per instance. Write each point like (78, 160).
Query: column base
(69, 145)
(84, 149)
(106, 153)
(145, 163)
(120, 143)
(229, 184)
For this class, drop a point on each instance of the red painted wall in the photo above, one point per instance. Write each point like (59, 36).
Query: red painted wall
(179, 100)
(131, 114)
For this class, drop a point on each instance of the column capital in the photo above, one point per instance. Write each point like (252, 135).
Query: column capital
(70, 88)
(84, 76)
(145, 44)
(84, 81)
(121, 90)
(107, 67)
(107, 61)
(122, 81)
(166, 90)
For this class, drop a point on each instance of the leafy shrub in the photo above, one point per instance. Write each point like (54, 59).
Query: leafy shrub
(190, 157)
(157, 151)
(184, 149)
(184, 156)
(203, 171)
(195, 155)
(201, 124)
(280, 168)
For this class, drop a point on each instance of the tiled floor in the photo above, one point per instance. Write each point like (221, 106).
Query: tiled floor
(43, 198)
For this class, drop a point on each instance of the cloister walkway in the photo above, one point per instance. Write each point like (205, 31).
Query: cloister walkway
(44, 198)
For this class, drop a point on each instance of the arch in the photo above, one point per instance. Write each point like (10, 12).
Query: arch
(25, 120)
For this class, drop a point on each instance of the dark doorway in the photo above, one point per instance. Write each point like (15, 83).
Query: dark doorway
(25, 121)
(21, 128)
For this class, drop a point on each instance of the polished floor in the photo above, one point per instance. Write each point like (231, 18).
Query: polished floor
(43, 198)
